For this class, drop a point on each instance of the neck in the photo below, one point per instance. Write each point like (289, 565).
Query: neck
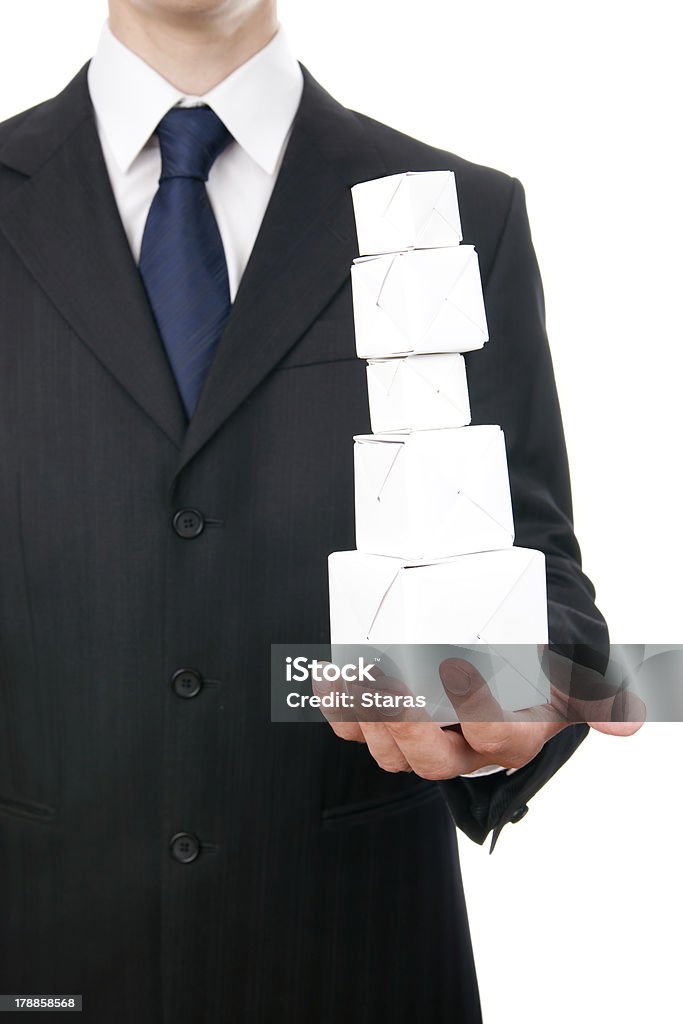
(194, 50)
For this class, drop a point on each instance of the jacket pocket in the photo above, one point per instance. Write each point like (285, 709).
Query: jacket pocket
(327, 340)
(26, 809)
(361, 812)
(317, 359)
(330, 338)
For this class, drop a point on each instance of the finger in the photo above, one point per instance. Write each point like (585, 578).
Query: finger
(341, 718)
(433, 752)
(384, 748)
(583, 694)
(348, 731)
(508, 738)
(576, 681)
(612, 709)
(385, 699)
(473, 701)
(627, 715)
(469, 692)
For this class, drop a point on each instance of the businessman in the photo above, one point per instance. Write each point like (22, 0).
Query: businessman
(178, 388)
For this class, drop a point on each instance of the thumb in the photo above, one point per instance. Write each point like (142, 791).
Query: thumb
(469, 692)
(616, 728)
(628, 713)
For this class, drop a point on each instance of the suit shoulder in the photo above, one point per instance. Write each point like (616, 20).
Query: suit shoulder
(481, 189)
(19, 121)
(10, 129)
(25, 127)
(29, 138)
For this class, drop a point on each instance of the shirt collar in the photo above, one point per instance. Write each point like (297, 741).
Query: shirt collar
(256, 103)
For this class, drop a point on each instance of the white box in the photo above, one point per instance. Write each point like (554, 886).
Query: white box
(418, 393)
(432, 493)
(415, 210)
(418, 301)
(386, 608)
(493, 597)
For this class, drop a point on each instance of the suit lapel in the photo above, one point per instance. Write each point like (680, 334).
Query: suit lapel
(64, 225)
(300, 259)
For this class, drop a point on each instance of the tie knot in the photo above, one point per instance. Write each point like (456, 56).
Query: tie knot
(190, 139)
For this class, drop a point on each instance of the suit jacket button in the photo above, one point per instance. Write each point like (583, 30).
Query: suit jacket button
(188, 522)
(519, 813)
(186, 682)
(184, 847)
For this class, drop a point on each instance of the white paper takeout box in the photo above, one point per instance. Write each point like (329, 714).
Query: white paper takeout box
(419, 301)
(418, 393)
(432, 493)
(418, 209)
(494, 597)
(389, 606)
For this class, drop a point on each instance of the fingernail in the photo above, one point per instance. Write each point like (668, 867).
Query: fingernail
(456, 680)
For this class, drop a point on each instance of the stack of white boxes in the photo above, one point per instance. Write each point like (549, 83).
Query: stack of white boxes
(435, 562)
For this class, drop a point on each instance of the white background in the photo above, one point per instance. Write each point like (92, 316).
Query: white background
(579, 910)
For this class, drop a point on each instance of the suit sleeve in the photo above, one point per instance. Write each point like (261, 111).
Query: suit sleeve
(512, 383)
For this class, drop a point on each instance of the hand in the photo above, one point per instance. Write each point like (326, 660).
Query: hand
(409, 741)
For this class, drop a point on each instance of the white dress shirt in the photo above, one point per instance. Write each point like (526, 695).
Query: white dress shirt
(256, 103)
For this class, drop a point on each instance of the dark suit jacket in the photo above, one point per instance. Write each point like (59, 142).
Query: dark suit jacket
(325, 889)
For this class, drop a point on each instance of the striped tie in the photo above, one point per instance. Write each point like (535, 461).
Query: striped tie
(182, 261)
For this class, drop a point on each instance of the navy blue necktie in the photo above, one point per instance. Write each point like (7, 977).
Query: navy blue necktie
(182, 261)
